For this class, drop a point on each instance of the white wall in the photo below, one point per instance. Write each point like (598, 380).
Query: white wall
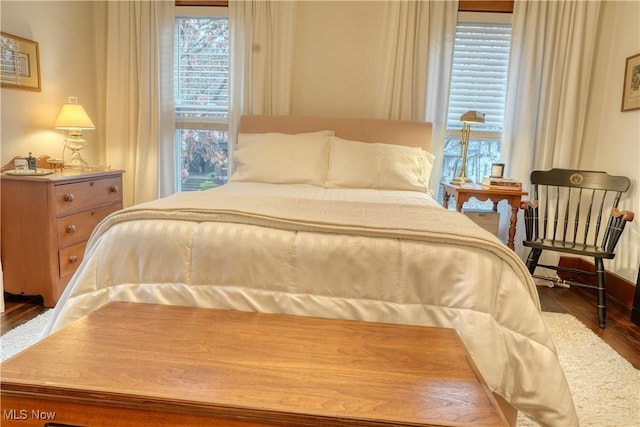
(65, 32)
(338, 46)
(612, 141)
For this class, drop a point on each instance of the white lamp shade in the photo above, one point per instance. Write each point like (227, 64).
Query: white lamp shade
(73, 116)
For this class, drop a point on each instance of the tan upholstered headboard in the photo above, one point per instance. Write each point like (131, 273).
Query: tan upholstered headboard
(400, 132)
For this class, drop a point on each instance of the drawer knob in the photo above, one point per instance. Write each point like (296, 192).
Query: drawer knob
(115, 189)
(73, 259)
(68, 197)
(71, 229)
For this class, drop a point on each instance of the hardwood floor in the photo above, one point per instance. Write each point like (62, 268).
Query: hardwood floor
(620, 333)
(19, 309)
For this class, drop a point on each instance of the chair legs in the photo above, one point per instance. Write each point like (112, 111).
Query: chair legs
(532, 264)
(602, 299)
(532, 259)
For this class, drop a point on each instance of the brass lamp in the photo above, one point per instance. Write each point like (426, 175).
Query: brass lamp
(74, 118)
(466, 119)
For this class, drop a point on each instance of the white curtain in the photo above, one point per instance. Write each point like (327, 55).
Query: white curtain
(139, 97)
(417, 62)
(262, 37)
(552, 52)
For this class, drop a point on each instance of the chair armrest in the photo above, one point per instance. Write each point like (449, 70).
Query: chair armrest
(627, 216)
(615, 228)
(526, 204)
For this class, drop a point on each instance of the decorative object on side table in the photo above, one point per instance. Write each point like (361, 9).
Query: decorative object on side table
(27, 166)
(20, 67)
(74, 118)
(631, 89)
(497, 170)
(494, 183)
(56, 164)
(466, 119)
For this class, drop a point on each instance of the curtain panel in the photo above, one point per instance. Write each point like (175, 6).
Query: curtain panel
(552, 53)
(416, 64)
(139, 97)
(262, 37)
(550, 66)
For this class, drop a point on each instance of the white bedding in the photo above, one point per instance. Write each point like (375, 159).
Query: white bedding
(389, 256)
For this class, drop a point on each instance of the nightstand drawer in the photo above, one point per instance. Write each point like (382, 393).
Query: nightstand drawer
(79, 196)
(77, 228)
(70, 258)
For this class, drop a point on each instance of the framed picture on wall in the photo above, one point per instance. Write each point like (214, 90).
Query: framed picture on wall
(20, 66)
(631, 92)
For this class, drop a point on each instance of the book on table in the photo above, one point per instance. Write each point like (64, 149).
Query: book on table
(494, 183)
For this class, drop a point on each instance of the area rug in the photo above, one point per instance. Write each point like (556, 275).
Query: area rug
(605, 387)
(23, 336)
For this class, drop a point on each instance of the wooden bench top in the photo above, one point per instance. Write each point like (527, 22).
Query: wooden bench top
(173, 365)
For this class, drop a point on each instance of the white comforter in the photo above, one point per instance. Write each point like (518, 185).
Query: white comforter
(356, 254)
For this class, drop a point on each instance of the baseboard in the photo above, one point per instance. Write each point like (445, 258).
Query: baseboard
(635, 310)
(618, 287)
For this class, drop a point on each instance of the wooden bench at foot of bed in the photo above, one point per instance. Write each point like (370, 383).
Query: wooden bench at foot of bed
(155, 365)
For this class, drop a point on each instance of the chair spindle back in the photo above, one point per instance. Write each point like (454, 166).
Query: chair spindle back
(572, 205)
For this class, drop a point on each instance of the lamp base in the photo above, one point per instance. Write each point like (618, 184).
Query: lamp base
(75, 142)
(76, 161)
(460, 180)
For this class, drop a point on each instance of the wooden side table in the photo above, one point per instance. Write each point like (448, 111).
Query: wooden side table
(462, 193)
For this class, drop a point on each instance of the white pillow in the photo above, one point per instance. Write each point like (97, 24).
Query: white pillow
(355, 164)
(280, 158)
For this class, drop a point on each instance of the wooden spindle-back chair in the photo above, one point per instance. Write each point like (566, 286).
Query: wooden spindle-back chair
(576, 212)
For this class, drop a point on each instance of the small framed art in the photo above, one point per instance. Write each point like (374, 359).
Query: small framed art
(631, 91)
(20, 66)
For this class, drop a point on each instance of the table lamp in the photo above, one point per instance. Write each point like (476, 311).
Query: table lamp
(74, 118)
(466, 119)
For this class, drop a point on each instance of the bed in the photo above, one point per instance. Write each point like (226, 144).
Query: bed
(332, 217)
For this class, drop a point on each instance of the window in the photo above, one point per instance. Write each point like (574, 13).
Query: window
(201, 84)
(478, 82)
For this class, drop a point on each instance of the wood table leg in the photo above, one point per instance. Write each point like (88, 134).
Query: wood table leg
(512, 227)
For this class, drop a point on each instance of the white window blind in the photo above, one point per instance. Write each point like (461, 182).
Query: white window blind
(479, 77)
(201, 71)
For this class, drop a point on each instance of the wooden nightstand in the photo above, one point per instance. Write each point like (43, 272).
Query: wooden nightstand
(462, 193)
(46, 221)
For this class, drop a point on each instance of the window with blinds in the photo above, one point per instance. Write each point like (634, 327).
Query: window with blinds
(201, 85)
(478, 82)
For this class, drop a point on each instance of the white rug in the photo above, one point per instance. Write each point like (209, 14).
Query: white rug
(605, 387)
(23, 336)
